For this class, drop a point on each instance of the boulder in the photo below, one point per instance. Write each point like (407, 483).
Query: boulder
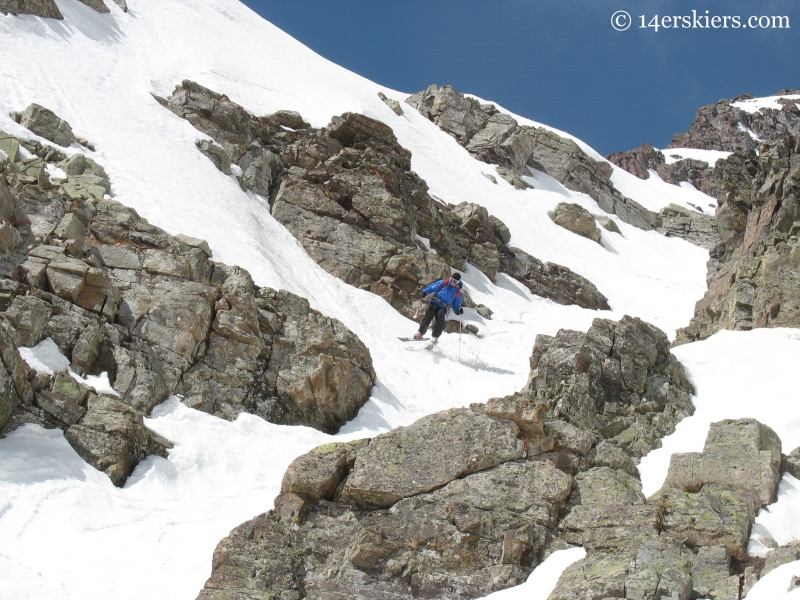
(113, 439)
(692, 226)
(551, 281)
(10, 146)
(738, 454)
(29, 316)
(10, 238)
(604, 381)
(791, 464)
(401, 463)
(41, 8)
(318, 473)
(603, 486)
(216, 154)
(780, 556)
(45, 123)
(86, 187)
(575, 218)
(97, 5)
(607, 224)
(393, 104)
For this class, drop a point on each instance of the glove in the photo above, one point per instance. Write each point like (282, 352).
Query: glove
(460, 311)
(422, 294)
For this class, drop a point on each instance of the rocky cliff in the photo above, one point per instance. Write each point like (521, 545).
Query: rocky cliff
(469, 500)
(690, 539)
(116, 295)
(496, 138)
(348, 194)
(752, 278)
(754, 275)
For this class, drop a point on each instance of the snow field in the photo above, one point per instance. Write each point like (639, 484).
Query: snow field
(65, 530)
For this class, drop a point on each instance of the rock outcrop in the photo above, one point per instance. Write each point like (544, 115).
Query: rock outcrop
(348, 194)
(40, 8)
(97, 5)
(690, 539)
(693, 226)
(575, 218)
(119, 296)
(641, 161)
(44, 122)
(753, 274)
(466, 501)
(552, 281)
(720, 126)
(496, 138)
(724, 126)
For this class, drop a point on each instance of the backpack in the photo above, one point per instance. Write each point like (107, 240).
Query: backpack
(444, 285)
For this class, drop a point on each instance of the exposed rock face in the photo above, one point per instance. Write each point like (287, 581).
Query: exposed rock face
(117, 295)
(753, 275)
(41, 8)
(791, 463)
(112, 438)
(97, 5)
(640, 161)
(719, 126)
(757, 466)
(270, 354)
(429, 454)
(464, 502)
(575, 218)
(722, 126)
(496, 138)
(347, 193)
(552, 281)
(692, 226)
(393, 104)
(45, 123)
(680, 543)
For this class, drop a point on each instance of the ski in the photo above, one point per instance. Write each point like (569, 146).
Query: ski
(411, 339)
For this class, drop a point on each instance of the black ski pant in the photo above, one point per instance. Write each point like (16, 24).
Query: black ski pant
(434, 311)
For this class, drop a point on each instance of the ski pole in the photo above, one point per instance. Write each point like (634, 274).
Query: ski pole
(460, 321)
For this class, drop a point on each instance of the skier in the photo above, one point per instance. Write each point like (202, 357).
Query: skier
(446, 293)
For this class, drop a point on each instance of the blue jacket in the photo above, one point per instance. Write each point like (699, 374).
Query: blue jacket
(446, 296)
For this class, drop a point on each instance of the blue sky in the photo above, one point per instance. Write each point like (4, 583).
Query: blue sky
(559, 62)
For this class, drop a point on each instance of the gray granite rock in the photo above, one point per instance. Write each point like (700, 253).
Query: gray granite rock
(41, 8)
(576, 219)
(45, 123)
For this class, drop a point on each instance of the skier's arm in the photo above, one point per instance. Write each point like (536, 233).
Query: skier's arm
(432, 287)
(457, 302)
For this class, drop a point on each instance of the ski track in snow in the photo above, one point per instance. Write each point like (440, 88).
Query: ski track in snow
(65, 530)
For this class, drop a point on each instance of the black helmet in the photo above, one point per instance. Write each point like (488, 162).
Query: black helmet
(456, 276)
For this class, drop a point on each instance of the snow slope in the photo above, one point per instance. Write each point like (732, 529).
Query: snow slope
(65, 531)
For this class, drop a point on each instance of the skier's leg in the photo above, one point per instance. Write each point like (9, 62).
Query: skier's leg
(426, 320)
(441, 321)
